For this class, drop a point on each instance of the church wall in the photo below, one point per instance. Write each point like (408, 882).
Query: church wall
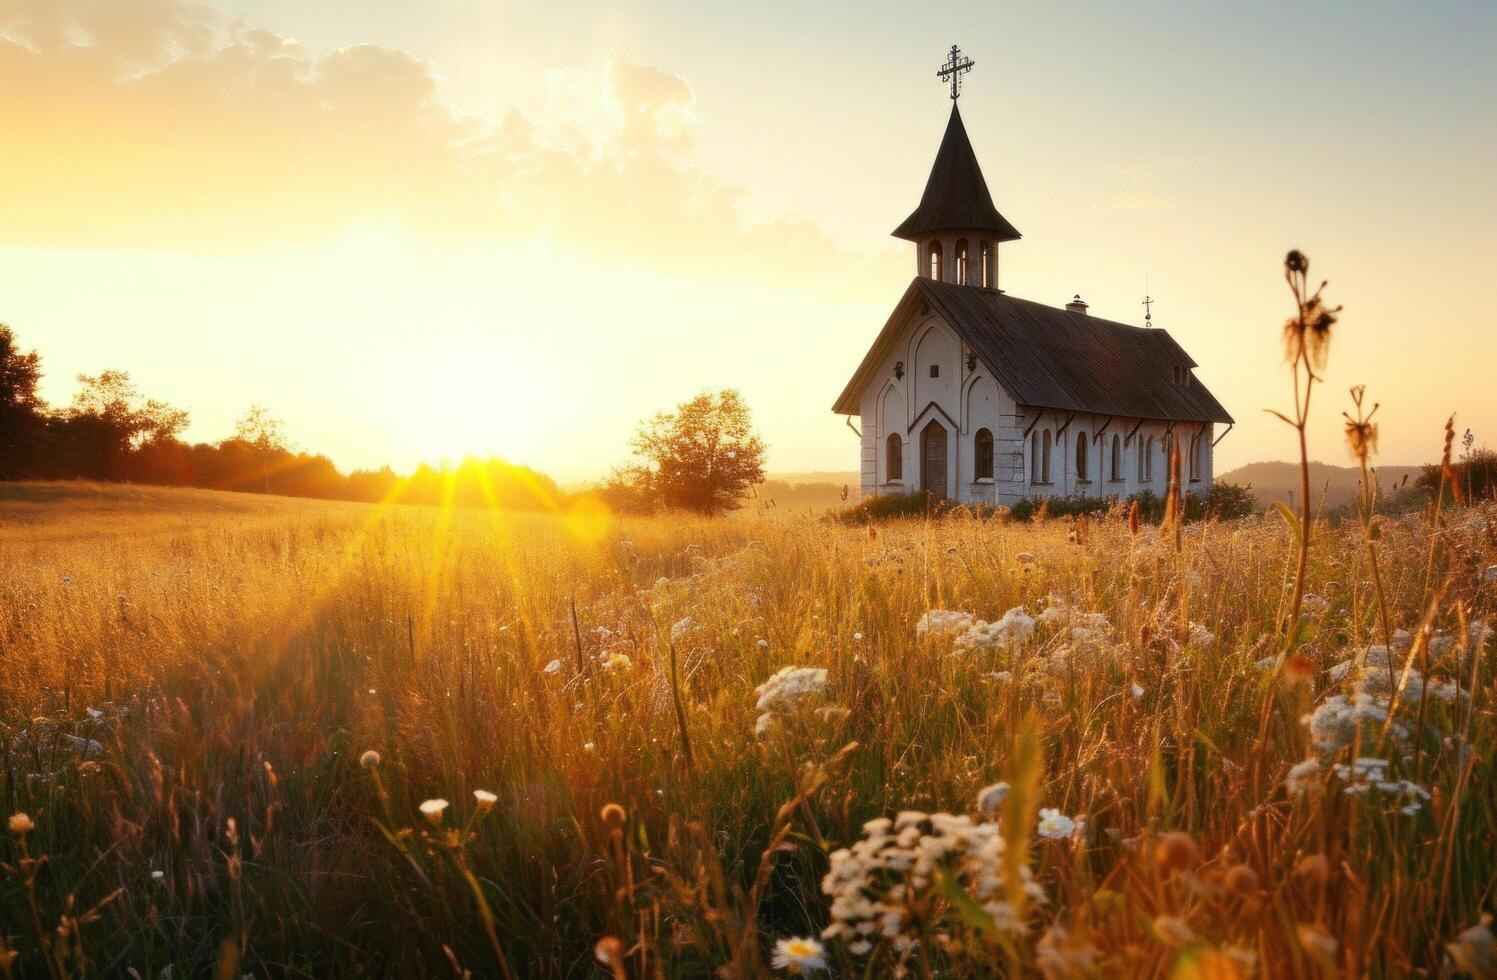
(968, 399)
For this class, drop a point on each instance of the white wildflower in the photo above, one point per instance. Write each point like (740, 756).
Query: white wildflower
(798, 955)
(787, 689)
(990, 798)
(432, 810)
(1055, 825)
(552, 667)
(1303, 777)
(942, 622)
(683, 628)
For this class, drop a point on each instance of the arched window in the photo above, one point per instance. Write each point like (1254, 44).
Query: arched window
(961, 261)
(1146, 460)
(983, 454)
(893, 458)
(987, 265)
(934, 260)
(1081, 456)
(1045, 461)
(1197, 457)
(1117, 458)
(1034, 458)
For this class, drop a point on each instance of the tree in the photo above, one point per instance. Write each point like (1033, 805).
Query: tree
(266, 433)
(704, 456)
(108, 423)
(21, 408)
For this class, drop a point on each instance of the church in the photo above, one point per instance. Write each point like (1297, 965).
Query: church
(974, 395)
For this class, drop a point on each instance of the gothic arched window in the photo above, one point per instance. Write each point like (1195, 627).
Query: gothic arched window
(1117, 457)
(1081, 456)
(1195, 457)
(934, 260)
(961, 261)
(1045, 461)
(983, 455)
(893, 458)
(987, 254)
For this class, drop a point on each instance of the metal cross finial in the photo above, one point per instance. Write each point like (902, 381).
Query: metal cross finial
(1148, 312)
(956, 66)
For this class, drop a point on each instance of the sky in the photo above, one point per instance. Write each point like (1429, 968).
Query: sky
(419, 230)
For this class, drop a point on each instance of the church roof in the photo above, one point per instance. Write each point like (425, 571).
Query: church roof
(1052, 358)
(956, 197)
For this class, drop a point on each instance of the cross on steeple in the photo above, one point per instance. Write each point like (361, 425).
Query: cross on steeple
(956, 66)
(1148, 310)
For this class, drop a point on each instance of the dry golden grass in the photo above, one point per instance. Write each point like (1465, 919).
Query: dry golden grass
(242, 654)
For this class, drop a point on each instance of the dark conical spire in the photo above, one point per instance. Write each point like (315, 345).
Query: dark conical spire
(956, 197)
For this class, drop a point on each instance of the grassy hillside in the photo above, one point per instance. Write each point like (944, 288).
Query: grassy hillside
(270, 738)
(1338, 485)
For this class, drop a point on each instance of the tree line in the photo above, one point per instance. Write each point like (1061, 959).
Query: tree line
(112, 432)
(702, 457)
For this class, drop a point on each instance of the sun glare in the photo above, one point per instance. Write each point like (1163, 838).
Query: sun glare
(469, 403)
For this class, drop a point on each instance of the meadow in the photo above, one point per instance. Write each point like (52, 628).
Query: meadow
(249, 736)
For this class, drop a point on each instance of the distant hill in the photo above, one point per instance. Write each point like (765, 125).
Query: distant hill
(1279, 481)
(838, 477)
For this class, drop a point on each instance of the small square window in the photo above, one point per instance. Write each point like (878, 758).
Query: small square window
(935, 370)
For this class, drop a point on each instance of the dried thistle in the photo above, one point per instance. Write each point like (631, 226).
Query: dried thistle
(1361, 431)
(1307, 334)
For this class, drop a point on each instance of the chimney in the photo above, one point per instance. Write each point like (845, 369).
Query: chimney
(1077, 305)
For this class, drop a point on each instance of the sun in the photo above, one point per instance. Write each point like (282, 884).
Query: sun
(469, 402)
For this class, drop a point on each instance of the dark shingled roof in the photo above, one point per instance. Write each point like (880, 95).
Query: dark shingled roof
(956, 197)
(1050, 358)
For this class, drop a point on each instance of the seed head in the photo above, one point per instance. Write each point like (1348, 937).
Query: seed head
(21, 823)
(1241, 880)
(613, 815)
(486, 800)
(1176, 851)
(370, 759)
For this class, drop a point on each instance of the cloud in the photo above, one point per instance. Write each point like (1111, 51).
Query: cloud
(157, 124)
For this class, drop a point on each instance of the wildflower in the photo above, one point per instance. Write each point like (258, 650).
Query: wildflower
(486, 800)
(1304, 777)
(1474, 950)
(552, 667)
(799, 955)
(21, 823)
(1136, 690)
(613, 815)
(1008, 633)
(857, 637)
(1173, 930)
(370, 759)
(763, 644)
(683, 628)
(587, 746)
(617, 661)
(1314, 606)
(990, 798)
(942, 622)
(785, 691)
(432, 810)
(1055, 825)
(158, 876)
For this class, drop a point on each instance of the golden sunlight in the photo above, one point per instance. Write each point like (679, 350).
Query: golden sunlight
(469, 402)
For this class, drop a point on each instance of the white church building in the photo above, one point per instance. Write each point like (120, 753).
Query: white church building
(972, 394)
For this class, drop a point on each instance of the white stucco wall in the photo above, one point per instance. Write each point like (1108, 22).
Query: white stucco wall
(963, 400)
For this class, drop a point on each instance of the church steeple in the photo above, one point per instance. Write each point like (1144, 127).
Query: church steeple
(956, 228)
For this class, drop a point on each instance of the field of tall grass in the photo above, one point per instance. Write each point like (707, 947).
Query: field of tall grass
(274, 738)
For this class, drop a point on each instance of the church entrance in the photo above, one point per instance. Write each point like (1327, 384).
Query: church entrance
(933, 459)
